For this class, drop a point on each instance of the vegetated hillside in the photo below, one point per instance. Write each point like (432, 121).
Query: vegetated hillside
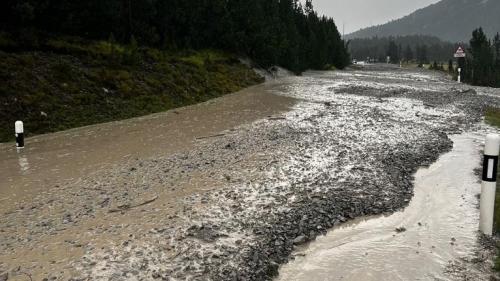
(450, 20)
(271, 32)
(67, 63)
(74, 83)
(420, 48)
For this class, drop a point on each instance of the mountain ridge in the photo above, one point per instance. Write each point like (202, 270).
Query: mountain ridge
(450, 20)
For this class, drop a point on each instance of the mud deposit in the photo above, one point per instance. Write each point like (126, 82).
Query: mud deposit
(429, 240)
(233, 204)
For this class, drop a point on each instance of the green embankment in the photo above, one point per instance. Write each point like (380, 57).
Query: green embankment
(70, 82)
(492, 117)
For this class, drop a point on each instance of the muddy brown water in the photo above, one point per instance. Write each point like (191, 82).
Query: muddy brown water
(51, 159)
(440, 226)
(51, 162)
(95, 163)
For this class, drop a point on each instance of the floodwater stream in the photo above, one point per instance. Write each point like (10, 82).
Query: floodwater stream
(438, 227)
(58, 158)
(185, 194)
(51, 164)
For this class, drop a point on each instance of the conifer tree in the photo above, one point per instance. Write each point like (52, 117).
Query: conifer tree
(408, 56)
(269, 31)
(482, 58)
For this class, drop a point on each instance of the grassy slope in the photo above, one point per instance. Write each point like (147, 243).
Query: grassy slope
(70, 83)
(492, 117)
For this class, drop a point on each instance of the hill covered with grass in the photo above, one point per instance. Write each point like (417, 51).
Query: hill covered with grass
(71, 82)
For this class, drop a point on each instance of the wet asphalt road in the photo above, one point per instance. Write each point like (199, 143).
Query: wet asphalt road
(235, 203)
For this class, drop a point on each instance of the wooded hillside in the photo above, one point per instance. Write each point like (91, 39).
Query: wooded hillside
(450, 20)
(272, 32)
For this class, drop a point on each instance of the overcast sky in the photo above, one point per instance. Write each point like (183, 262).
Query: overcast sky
(356, 14)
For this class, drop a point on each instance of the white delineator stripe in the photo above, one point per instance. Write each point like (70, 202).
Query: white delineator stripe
(491, 164)
(19, 126)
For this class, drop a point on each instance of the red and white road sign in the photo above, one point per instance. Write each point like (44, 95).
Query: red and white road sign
(460, 53)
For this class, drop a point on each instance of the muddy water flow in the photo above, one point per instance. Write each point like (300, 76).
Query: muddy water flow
(69, 169)
(54, 159)
(418, 243)
(221, 191)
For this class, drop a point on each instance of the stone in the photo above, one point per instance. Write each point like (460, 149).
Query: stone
(299, 240)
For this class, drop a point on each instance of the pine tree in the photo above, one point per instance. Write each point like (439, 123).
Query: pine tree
(393, 52)
(496, 48)
(285, 32)
(408, 53)
(482, 59)
(422, 55)
(400, 52)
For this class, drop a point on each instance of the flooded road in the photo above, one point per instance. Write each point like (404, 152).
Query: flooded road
(53, 159)
(57, 179)
(439, 226)
(231, 188)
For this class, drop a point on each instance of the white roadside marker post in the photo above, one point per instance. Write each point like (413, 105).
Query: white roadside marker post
(489, 184)
(459, 75)
(19, 126)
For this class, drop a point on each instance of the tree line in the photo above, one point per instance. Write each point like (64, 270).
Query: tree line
(420, 49)
(272, 32)
(482, 64)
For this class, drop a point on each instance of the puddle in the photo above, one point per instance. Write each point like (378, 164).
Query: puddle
(440, 222)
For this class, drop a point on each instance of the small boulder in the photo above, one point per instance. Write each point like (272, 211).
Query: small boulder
(299, 240)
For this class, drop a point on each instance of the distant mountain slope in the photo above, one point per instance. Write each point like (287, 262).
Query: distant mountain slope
(451, 20)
